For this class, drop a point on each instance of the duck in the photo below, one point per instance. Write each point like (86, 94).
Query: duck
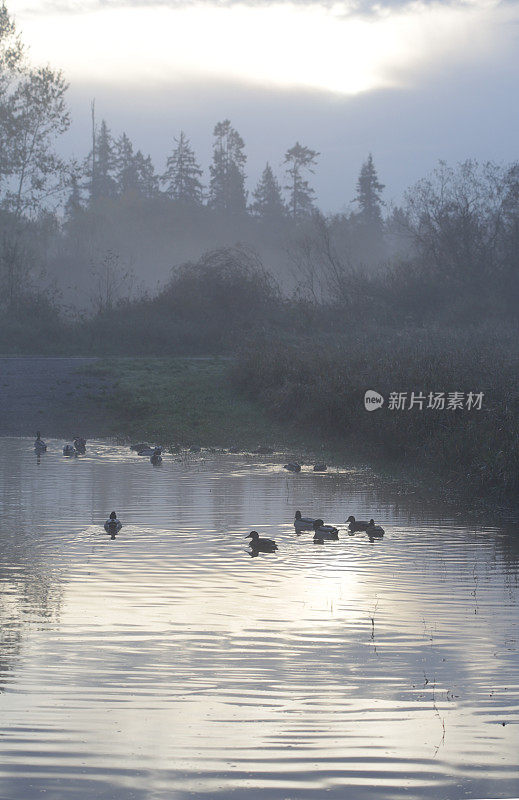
(112, 524)
(39, 444)
(357, 524)
(374, 530)
(322, 531)
(261, 545)
(320, 467)
(139, 446)
(292, 466)
(69, 450)
(156, 457)
(80, 444)
(303, 523)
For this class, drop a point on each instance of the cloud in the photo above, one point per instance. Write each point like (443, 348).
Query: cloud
(339, 49)
(344, 8)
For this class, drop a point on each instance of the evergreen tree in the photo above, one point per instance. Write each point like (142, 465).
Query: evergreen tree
(268, 202)
(227, 185)
(300, 158)
(369, 190)
(103, 182)
(73, 204)
(126, 173)
(147, 182)
(182, 176)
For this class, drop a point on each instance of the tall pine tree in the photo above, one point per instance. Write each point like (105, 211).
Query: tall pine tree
(300, 159)
(182, 175)
(126, 173)
(268, 203)
(369, 191)
(227, 185)
(103, 183)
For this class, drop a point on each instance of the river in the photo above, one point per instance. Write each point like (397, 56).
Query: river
(168, 663)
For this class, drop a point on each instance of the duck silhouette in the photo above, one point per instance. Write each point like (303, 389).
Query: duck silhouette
(303, 523)
(80, 445)
(357, 524)
(261, 545)
(113, 525)
(374, 530)
(156, 457)
(292, 466)
(39, 444)
(322, 531)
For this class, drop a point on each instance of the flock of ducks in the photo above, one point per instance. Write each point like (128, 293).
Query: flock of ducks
(78, 448)
(321, 532)
(257, 544)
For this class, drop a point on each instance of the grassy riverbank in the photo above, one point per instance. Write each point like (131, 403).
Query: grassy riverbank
(186, 402)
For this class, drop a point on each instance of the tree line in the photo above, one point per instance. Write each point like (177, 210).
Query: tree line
(96, 226)
(34, 114)
(113, 168)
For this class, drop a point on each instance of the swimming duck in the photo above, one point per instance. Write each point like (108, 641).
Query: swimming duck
(357, 524)
(156, 457)
(322, 531)
(320, 467)
(303, 523)
(374, 530)
(112, 524)
(293, 466)
(39, 444)
(80, 445)
(69, 450)
(262, 545)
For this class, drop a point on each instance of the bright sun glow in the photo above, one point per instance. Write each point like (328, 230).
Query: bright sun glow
(274, 45)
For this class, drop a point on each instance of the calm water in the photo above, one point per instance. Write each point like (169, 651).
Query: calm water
(170, 664)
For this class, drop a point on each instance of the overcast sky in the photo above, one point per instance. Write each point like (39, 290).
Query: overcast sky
(411, 82)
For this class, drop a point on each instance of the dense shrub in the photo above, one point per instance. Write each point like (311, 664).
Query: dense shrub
(320, 383)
